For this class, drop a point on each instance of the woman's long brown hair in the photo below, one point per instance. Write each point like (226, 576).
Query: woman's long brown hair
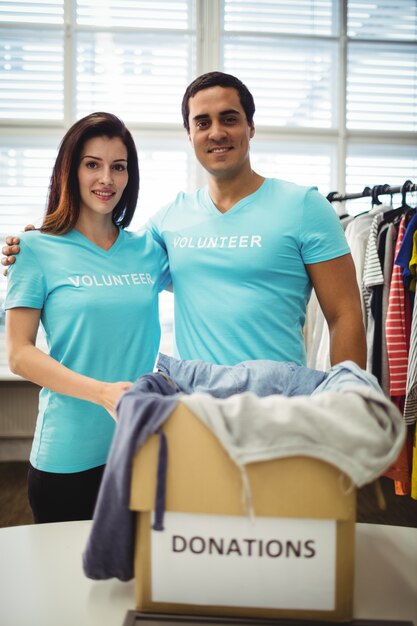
(63, 205)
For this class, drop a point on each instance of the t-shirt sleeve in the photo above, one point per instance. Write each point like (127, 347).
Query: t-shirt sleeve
(153, 228)
(154, 225)
(322, 234)
(164, 273)
(157, 224)
(26, 286)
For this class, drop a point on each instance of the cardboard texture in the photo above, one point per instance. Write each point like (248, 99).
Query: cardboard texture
(203, 479)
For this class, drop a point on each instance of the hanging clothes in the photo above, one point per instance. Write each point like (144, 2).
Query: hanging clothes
(383, 242)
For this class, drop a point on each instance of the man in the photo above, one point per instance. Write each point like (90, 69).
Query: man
(245, 251)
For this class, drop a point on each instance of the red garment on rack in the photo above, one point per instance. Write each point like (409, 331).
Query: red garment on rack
(396, 326)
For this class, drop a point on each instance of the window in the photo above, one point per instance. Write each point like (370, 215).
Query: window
(381, 96)
(381, 87)
(307, 164)
(374, 163)
(334, 82)
(134, 61)
(292, 78)
(32, 79)
(329, 79)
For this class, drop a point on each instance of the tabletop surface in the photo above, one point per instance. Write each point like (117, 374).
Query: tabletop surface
(42, 582)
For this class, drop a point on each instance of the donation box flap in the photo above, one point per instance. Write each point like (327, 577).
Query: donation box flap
(201, 478)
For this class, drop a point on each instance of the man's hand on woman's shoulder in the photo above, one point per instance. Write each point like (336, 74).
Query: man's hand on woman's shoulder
(11, 249)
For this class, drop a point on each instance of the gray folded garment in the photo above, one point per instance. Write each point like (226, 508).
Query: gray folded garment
(355, 428)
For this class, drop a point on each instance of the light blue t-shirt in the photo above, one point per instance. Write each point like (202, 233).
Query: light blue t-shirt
(240, 282)
(100, 317)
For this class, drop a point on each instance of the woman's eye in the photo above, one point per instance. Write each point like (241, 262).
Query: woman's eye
(91, 165)
(119, 167)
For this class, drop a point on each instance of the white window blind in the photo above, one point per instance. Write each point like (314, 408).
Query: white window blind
(133, 58)
(382, 87)
(144, 14)
(293, 83)
(310, 165)
(282, 16)
(31, 74)
(140, 77)
(32, 12)
(369, 165)
(293, 73)
(137, 59)
(382, 76)
(382, 19)
(26, 166)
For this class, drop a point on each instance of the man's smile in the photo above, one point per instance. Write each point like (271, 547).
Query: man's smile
(220, 149)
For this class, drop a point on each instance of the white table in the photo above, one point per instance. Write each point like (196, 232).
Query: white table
(42, 582)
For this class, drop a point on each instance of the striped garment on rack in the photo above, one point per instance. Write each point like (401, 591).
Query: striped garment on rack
(395, 326)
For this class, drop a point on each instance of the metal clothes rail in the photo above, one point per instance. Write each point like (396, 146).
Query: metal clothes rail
(374, 192)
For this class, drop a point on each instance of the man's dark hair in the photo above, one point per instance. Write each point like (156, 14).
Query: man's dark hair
(218, 79)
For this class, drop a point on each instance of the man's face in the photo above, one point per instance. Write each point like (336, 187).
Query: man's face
(219, 131)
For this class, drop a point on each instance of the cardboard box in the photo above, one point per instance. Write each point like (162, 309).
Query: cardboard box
(294, 560)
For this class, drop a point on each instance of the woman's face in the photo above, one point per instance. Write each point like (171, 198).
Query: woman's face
(102, 175)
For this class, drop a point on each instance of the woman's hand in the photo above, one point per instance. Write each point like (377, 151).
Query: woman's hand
(27, 361)
(110, 394)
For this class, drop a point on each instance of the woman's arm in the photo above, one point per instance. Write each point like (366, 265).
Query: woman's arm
(27, 361)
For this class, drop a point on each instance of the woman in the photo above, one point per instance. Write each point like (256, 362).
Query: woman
(94, 288)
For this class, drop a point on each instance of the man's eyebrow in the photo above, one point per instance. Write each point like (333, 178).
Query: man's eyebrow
(230, 111)
(204, 116)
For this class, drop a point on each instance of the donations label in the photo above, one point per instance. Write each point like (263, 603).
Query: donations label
(237, 561)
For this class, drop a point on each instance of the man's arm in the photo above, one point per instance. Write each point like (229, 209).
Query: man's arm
(337, 291)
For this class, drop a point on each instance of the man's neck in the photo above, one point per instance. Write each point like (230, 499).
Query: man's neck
(225, 193)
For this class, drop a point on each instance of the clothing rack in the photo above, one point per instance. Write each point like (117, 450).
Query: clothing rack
(374, 192)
